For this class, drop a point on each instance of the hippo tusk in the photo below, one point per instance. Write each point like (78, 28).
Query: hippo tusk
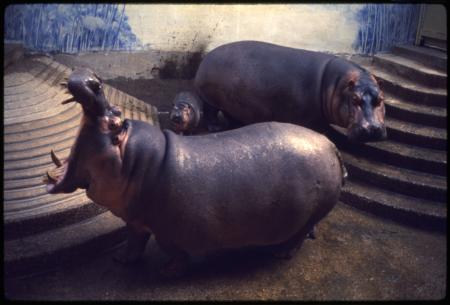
(63, 84)
(55, 159)
(69, 100)
(51, 178)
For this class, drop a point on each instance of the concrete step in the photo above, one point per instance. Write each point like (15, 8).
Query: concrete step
(24, 193)
(411, 69)
(46, 96)
(21, 183)
(415, 113)
(46, 250)
(45, 141)
(429, 57)
(394, 153)
(72, 110)
(18, 174)
(30, 204)
(43, 80)
(396, 179)
(422, 213)
(39, 155)
(409, 90)
(31, 79)
(420, 135)
(26, 222)
(71, 122)
(32, 66)
(50, 111)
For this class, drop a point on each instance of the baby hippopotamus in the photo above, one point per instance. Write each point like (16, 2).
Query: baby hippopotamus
(186, 113)
(187, 117)
(265, 184)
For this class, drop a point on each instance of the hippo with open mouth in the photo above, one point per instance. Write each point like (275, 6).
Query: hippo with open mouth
(265, 184)
(255, 81)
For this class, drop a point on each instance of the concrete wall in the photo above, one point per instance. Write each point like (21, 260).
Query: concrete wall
(336, 28)
(183, 27)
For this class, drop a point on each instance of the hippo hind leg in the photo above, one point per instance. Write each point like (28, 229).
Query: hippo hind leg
(177, 264)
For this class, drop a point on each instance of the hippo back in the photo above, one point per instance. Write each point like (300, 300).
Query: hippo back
(257, 185)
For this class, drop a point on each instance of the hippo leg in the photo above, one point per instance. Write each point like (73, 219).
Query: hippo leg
(176, 267)
(178, 262)
(136, 241)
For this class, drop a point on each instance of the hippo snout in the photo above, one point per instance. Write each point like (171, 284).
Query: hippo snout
(367, 133)
(176, 117)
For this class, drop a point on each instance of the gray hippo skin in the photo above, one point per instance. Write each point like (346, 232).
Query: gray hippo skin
(265, 184)
(256, 82)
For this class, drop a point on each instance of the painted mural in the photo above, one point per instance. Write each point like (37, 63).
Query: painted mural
(70, 28)
(383, 25)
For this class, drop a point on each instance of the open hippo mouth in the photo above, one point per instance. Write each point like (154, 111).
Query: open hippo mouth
(86, 88)
(57, 180)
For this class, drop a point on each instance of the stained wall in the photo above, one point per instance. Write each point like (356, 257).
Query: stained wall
(336, 28)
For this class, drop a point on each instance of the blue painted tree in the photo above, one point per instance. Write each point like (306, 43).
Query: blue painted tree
(384, 25)
(70, 28)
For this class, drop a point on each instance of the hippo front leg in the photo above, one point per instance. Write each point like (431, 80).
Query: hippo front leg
(135, 246)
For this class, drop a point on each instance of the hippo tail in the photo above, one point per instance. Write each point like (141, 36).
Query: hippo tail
(343, 169)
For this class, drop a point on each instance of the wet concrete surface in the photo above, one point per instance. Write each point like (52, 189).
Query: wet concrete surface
(355, 256)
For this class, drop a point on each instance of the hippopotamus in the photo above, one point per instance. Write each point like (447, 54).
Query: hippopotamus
(186, 116)
(262, 185)
(255, 81)
(186, 112)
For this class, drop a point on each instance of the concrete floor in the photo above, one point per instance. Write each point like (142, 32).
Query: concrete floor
(355, 256)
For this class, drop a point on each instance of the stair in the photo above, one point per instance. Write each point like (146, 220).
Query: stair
(43, 230)
(403, 178)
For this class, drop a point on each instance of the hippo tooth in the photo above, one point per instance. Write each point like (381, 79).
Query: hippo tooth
(51, 178)
(55, 159)
(69, 100)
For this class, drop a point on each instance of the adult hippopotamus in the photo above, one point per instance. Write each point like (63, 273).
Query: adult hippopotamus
(255, 81)
(265, 184)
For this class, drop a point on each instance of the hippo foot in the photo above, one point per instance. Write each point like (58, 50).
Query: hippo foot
(125, 257)
(175, 268)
